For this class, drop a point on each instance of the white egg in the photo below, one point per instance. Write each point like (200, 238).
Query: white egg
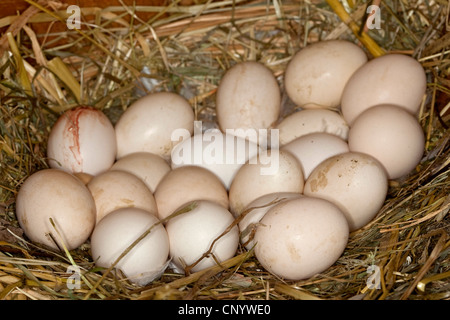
(255, 211)
(248, 97)
(192, 234)
(355, 182)
(390, 79)
(55, 195)
(147, 124)
(269, 172)
(311, 149)
(299, 238)
(222, 154)
(114, 234)
(82, 140)
(149, 167)
(186, 184)
(391, 135)
(117, 189)
(316, 75)
(308, 121)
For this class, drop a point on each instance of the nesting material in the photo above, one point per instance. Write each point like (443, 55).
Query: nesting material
(116, 58)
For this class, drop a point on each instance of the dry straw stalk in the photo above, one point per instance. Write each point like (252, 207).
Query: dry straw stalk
(117, 56)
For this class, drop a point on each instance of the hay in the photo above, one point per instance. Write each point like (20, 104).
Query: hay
(117, 57)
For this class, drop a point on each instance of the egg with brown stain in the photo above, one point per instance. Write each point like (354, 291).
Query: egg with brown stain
(82, 140)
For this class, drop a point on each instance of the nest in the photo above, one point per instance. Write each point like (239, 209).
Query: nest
(117, 56)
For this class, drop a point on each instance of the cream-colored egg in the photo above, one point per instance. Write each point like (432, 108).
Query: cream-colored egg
(316, 75)
(308, 121)
(311, 149)
(117, 189)
(391, 135)
(84, 177)
(255, 211)
(194, 233)
(82, 140)
(114, 234)
(149, 167)
(355, 182)
(147, 124)
(222, 154)
(248, 97)
(299, 238)
(186, 184)
(53, 195)
(269, 172)
(390, 79)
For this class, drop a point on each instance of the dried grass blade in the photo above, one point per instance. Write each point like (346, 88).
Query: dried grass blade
(365, 39)
(440, 245)
(193, 277)
(59, 68)
(22, 73)
(294, 293)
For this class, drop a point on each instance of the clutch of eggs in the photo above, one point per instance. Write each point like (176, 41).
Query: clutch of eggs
(354, 129)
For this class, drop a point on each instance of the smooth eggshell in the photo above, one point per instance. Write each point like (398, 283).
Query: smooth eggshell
(82, 140)
(316, 75)
(222, 154)
(299, 238)
(147, 260)
(308, 121)
(390, 79)
(192, 233)
(271, 171)
(248, 97)
(311, 149)
(149, 167)
(117, 189)
(391, 135)
(57, 195)
(84, 177)
(355, 182)
(186, 184)
(255, 211)
(147, 124)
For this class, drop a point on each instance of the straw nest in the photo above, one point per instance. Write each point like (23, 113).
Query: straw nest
(117, 57)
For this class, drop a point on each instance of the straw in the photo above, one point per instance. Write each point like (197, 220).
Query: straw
(110, 62)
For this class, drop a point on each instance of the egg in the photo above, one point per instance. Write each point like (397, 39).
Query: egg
(149, 167)
(117, 189)
(55, 195)
(390, 134)
(389, 79)
(355, 182)
(82, 140)
(316, 75)
(186, 184)
(194, 233)
(223, 154)
(299, 238)
(311, 149)
(308, 121)
(84, 177)
(147, 124)
(268, 172)
(248, 97)
(255, 211)
(113, 235)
